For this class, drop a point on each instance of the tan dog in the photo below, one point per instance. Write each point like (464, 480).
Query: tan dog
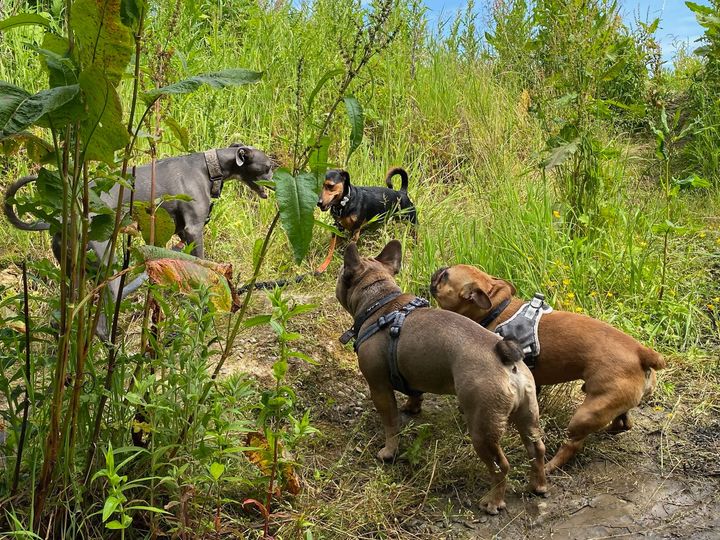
(617, 370)
(444, 353)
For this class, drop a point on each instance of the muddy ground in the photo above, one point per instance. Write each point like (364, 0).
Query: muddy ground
(658, 480)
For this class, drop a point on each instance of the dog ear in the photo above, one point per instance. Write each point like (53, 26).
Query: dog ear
(352, 258)
(391, 256)
(346, 178)
(475, 294)
(241, 156)
(497, 282)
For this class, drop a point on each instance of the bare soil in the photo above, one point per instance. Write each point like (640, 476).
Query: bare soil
(658, 480)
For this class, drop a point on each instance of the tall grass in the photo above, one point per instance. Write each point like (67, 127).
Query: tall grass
(473, 147)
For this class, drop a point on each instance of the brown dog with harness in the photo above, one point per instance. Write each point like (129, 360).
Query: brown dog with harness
(404, 345)
(618, 371)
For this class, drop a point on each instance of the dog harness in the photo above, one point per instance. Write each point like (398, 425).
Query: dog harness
(394, 320)
(522, 327)
(217, 178)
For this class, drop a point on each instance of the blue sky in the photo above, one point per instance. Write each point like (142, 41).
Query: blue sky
(677, 22)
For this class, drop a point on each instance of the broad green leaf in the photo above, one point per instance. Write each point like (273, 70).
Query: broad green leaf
(164, 223)
(559, 154)
(38, 150)
(256, 320)
(111, 504)
(325, 78)
(693, 181)
(318, 161)
(217, 79)
(279, 369)
(24, 19)
(302, 356)
(355, 117)
(216, 470)
(296, 198)
(697, 8)
(103, 131)
(101, 227)
(55, 56)
(131, 11)
(19, 109)
(181, 133)
(102, 40)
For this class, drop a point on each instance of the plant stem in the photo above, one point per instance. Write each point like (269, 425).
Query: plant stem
(26, 408)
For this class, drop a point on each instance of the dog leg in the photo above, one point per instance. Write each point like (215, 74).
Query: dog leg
(498, 467)
(194, 233)
(622, 422)
(527, 421)
(413, 405)
(384, 400)
(594, 414)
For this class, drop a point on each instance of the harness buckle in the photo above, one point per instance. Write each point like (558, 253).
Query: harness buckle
(382, 321)
(394, 331)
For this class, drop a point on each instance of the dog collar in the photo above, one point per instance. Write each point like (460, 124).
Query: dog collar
(352, 332)
(216, 175)
(494, 313)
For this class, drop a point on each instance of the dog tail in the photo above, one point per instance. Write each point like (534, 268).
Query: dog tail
(509, 351)
(403, 176)
(651, 359)
(10, 211)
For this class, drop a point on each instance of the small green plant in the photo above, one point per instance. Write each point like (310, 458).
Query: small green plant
(275, 416)
(117, 505)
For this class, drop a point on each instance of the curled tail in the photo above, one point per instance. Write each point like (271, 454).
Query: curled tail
(403, 176)
(10, 211)
(651, 359)
(509, 351)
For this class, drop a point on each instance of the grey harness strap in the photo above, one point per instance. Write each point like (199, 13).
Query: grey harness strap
(394, 320)
(522, 327)
(216, 175)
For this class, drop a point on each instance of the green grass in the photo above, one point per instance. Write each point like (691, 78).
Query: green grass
(472, 150)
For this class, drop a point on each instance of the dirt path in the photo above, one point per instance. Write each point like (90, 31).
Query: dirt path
(658, 480)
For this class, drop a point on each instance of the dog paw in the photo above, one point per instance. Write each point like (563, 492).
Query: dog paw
(494, 508)
(386, 454)
(540, 491)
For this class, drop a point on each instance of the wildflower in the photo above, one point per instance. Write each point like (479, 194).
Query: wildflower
(609, 294)
(566, 282)
(716, 299)
(593, 294)
(711, 307)
(570, 295)
(529, 258)
(643, 244)
(551, 283)
(717, 240)
(578, 309)
(658, 408)
(556, 214)
(702, 234)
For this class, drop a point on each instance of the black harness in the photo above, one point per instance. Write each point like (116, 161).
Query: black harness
(394, 320)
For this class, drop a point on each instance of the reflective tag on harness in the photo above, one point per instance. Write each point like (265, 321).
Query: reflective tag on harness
(522, 327)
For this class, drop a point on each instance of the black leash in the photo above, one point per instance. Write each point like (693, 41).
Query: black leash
(261, 285)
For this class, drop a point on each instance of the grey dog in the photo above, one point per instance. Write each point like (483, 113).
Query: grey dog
(200, 175)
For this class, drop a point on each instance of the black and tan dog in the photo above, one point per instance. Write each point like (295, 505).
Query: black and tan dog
(617, 370)
(352, 207)
(433, 350)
